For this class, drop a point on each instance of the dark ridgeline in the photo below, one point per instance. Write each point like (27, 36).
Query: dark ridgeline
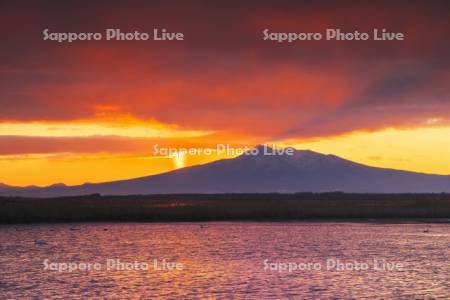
(202, 207)
(305, 171)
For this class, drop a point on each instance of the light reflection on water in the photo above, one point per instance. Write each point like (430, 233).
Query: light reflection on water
(225, 260)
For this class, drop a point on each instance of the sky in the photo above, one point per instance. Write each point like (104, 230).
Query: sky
(92, 111)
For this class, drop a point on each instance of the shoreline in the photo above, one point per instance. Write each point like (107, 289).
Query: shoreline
(386, 221)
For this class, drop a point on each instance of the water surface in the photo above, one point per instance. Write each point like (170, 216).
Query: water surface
(225, 260)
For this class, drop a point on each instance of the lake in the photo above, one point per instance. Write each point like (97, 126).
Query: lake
(223, 260)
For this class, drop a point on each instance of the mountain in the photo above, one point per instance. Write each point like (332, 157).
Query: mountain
(303, 171)
(4, 186)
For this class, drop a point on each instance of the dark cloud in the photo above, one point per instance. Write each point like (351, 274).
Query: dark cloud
(224, 77)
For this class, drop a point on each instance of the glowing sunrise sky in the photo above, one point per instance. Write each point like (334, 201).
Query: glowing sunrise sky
(91, 111)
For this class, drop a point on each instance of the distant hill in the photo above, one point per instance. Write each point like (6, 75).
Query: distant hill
(304, 171)
(4, 186)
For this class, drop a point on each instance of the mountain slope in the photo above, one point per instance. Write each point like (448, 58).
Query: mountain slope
(304, 171)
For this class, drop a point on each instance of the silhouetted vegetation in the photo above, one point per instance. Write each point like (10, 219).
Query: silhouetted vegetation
(201, 207)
